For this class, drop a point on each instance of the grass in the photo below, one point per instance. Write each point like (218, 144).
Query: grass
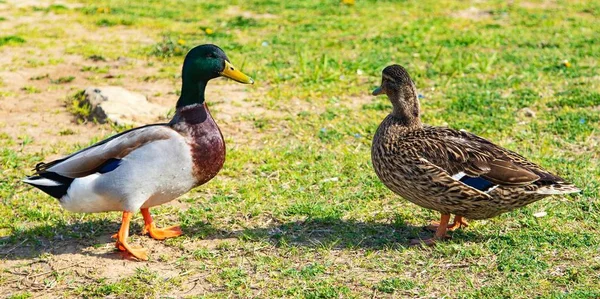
(62, 80)
(299, 212)
(11, 40)
(78, 106)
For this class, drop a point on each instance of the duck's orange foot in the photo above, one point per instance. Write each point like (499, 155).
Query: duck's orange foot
(138, 252)
(161, 233)
(123, 234)
(459, 222)
(158, 233)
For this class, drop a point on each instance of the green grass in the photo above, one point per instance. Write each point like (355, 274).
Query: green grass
(11, 40)
(62, 80)
(299, 212)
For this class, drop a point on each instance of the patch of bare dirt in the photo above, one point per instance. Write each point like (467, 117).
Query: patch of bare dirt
(33, 109)
(33, 112)
(537, 5)
(16, 21)
(472, 13)
(357, 102)
(42, 3)
(76, 264)
(237, 11)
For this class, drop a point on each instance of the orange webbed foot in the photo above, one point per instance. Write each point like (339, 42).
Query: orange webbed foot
(162, 233)
(138, 252)
(440, 232)
(459, 222)
(158, 233)
(123, 245)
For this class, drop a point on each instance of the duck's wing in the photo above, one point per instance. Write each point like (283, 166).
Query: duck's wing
(477, 162)
(102, 155)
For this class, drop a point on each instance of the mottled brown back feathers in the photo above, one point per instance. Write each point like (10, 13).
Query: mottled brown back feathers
(423, 163)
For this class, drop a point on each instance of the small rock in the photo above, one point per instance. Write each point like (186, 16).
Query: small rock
(97, 58)
(540, 214)
(121, 106)
(122, 60)
(528, 112)
(334, 179)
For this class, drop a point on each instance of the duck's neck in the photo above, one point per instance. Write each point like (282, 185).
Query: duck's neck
(192, 93)
(190, 108)
(406, 107)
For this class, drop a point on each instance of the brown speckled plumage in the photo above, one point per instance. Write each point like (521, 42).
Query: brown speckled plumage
(418, 162)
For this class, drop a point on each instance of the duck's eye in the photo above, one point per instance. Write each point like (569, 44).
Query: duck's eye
(211, 55)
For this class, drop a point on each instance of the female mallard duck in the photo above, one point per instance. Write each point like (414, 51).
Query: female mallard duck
(450, 171)
(149, 165)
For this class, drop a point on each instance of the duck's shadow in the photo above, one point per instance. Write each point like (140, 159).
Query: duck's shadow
(320, 232)
(346, 234)
(60, 239)
(335, 233)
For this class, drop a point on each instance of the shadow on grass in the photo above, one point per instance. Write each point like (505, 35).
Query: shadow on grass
(330, 233)
(77, 238)
(59, 238)
(334, 233)
(338, 233)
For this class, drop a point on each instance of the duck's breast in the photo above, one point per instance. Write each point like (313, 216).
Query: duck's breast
(205, 140)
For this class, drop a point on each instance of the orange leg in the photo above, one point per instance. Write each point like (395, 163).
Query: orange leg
(122, 236)
(459, 222)
(158, 233)
(440, 233)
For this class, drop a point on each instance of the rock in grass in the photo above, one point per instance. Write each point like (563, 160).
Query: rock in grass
(121, 106)
(528, 112)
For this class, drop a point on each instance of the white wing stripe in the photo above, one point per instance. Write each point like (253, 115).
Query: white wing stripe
(458, 176)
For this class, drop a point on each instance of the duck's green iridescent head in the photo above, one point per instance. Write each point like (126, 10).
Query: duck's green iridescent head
(202, 64)
(206, 62)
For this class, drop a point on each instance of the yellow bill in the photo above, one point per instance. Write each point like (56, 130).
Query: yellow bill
(232, 73)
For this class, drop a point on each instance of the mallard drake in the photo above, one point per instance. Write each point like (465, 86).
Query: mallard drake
(150, 165)
(450, 171)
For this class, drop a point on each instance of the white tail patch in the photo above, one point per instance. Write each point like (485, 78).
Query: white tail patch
(557, 189)
(82, 198)
(42, 182)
